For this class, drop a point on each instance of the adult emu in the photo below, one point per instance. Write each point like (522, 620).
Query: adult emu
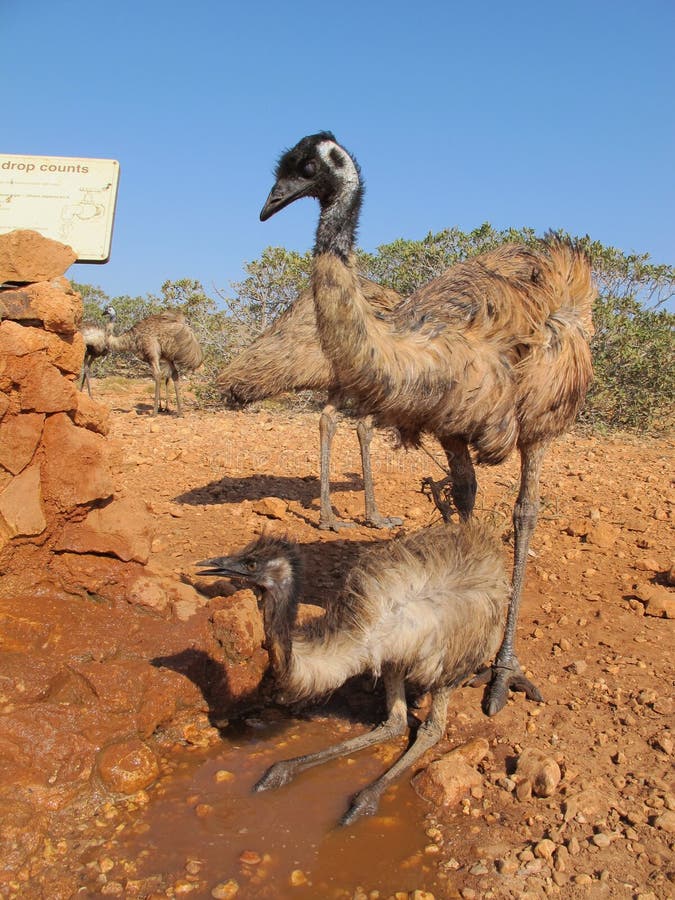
(425, 611)
(287, 356)
(491, 355)
(167, 344)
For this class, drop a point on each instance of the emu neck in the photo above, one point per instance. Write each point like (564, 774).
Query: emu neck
(336, 231)
(279, 607)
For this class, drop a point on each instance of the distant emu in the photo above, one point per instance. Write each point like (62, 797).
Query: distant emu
(167, 344)
(424, 611)
(287, 356)
(95, 344)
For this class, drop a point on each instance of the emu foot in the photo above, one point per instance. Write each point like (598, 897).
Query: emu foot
(276, 776)
(375, 520)
(365, 803)
(501, 679)
(332, 523)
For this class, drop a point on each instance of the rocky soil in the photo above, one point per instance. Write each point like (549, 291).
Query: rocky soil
(572, 797)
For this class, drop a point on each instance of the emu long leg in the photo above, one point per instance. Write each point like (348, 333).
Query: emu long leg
(157, 375)
(397, 720)
(506, 672)
(327, 428)
(175, 377)
(428, 734)
(85, 373)
(364, 430)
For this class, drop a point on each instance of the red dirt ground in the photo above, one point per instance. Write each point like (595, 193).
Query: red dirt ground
(593, 635)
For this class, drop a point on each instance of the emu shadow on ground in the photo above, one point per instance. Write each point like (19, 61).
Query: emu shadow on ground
(302, 489)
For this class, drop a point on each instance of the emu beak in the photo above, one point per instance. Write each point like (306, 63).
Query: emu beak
(284, 192)
(224, 566)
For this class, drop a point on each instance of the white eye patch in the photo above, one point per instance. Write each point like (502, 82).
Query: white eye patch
(339, 161)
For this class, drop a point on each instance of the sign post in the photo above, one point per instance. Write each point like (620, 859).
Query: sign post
(70, 200)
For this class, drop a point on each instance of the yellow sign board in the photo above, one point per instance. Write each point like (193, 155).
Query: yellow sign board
(67, 199)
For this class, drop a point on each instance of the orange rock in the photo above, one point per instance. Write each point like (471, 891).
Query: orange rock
(92, 415)
(540, 770)
(76, 471)
(19, 438)
(21, 504)
(127, 766)
(446, 781)
(28, 256)
(122, 528)
(602, 535)
(238, 627)
(271, 507)
(42, 387)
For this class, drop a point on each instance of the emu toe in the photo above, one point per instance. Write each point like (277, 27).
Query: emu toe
(332, 523)
(275, 777)
(500, 680)
(364, 803)
(378, 521)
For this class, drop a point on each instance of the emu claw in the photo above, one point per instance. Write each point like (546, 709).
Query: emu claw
(334, 524)
(364, 803)
(275, 777)
(384, 521)
(501, 679)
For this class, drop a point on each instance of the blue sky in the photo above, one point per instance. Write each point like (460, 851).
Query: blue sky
(520, 114)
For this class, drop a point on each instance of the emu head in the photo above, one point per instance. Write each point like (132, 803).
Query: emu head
(269, 563)
(316, 167)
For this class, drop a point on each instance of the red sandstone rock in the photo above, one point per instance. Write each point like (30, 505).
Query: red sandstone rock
(42, 387)
(92, 415)
(539, 770)
(27, 256)
(65, 351)
(76, 471)
(19, 438)
(238, 627)
(448, 780)
(123, 529)
(127, 766)
(21, 509)
(271, 507)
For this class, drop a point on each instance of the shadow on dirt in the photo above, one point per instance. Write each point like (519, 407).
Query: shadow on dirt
(359, 700)
(233, 490)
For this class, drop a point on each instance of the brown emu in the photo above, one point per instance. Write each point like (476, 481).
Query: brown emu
(167, 344)
(287, 356)
(423, 611)
(491, 355)
(95, 344)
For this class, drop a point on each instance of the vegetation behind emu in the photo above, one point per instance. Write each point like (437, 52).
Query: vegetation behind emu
(633, 348)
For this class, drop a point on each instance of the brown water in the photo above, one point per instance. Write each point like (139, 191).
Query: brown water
(203, 825)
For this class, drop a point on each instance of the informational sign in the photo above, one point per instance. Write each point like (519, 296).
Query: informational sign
(68, 200)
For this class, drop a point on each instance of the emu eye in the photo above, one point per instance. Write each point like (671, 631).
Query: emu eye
(308, 169)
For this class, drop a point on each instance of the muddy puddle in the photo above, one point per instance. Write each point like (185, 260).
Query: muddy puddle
(203, 828)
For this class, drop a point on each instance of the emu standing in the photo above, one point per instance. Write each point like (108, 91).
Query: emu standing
(491, 355)
(288, 357)
(95, 344)
(167, 344)
(424, 611)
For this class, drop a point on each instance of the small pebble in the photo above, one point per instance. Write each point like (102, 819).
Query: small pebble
(226, 890)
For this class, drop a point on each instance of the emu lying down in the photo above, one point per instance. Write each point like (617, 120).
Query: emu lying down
(424, 611)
